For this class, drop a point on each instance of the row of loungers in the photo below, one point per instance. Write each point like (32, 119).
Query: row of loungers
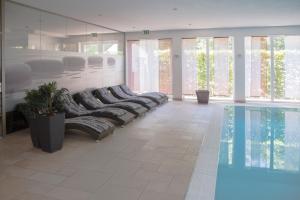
(97, 111)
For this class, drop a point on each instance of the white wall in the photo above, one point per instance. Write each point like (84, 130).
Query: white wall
(237, 33)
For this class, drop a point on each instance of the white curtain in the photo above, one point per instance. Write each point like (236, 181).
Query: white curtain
(135, 66)
(189, 66)
(221, 61)
(255, 72)
(292, 67)
(145, 65)
(247, 65)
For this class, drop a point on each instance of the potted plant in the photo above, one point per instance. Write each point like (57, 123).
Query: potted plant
(47, 121)
(202, 96)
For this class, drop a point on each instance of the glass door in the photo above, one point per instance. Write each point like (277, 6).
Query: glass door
(149, 65)
(272, 68)
(207, 64)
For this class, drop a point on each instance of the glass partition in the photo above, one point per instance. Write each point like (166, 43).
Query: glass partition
(43, 47)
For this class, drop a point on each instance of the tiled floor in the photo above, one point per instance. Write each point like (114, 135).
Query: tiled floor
(151, 158)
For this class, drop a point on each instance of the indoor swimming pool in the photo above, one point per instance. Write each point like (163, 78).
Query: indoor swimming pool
(259, 155)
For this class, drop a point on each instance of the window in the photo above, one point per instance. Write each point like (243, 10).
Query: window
(286, 67)
(149, 65)
(273, 67)
(258, 67)
(208, 64)
(100, 47)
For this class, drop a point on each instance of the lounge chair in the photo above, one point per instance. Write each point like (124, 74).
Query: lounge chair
(161, 97)
(106, 97)
(72, 109)
(118, 91)
(94, 126)
(88, 100)
(97, 127)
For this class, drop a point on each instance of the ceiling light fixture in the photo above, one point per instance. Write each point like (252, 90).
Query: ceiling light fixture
(175, 9)
(99, 15)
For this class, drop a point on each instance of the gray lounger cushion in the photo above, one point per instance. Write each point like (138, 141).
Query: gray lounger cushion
(73, 109)
(106, 96)
(119, 93)
(127, 90)
(88, 100)
(94, 126)
(157, 96)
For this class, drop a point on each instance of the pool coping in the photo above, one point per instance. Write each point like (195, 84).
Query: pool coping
(203, 181)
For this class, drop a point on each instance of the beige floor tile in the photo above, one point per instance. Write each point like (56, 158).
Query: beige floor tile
(88, 181)
(18, 172)
(177, 188)
(32, 196)
(116, 192)
(39, 165)
(128, 180)
(150, 158)
(158, 185)
(119, 166)
(61, 193)
(11, 187)
(176, 168)
(152, 175)
(150, 195)
(47, 178)
(37, 187)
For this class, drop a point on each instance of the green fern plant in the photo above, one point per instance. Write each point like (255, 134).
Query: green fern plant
(45, 100)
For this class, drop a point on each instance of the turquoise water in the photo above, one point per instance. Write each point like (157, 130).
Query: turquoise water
(259, 154)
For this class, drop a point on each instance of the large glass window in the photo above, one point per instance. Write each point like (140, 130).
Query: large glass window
(149, 65)
(258, 67)
(272, 67)
(286, 68)
(208, 64)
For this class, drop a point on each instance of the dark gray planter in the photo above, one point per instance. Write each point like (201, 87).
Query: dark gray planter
(202, 96)
(47, 132)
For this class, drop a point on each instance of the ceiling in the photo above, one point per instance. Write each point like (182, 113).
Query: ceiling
(136, 15)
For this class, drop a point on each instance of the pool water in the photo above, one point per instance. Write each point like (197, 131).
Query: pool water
(259, 155)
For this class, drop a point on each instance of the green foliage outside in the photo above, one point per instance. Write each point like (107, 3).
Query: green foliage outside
(279, 78)
(202, 67)
(201, 71)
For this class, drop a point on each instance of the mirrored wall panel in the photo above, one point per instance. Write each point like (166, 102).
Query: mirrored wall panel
(42, 47)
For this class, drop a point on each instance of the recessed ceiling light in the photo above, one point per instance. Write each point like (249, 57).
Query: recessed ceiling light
(175, 9)
(190, 24)
(99, 15)
(133, 27)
